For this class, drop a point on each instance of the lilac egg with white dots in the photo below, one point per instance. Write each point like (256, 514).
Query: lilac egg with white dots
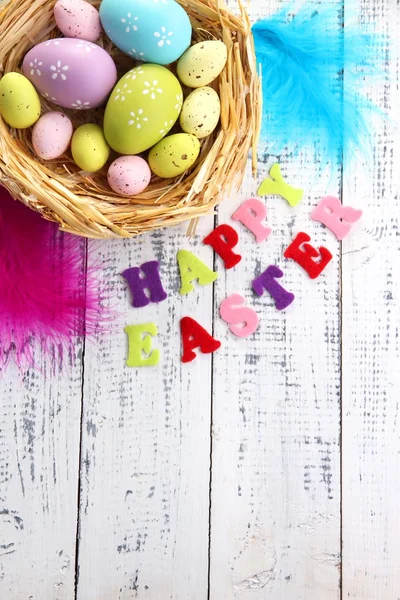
(78, 19)
(51, 135)
(129, 175)
(71, 73)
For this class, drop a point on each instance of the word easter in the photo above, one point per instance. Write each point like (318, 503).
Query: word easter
(242, 320)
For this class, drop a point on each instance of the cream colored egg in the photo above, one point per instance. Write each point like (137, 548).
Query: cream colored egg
(174, 155)
(201, 112)
(202, 63)
(89, 148)
(19, 101)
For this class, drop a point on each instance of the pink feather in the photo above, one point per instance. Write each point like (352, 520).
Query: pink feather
(47, 295)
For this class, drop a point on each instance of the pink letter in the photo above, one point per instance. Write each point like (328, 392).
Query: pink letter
(233, 312)
(251, 213)
(330, 212)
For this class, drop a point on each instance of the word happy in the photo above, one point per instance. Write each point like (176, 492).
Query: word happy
(241, 319)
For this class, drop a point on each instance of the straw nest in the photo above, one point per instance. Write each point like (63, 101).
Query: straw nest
(83, 203)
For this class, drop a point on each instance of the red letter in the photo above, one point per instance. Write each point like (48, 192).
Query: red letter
(194, 336)
(222, 240)
(267, 281)
(338, 218)
(243, 321)
(305, 257)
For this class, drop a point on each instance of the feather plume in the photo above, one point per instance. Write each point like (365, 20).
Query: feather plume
(47, 295)
(314, 69)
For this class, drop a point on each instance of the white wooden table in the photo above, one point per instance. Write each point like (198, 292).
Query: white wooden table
(267, 470)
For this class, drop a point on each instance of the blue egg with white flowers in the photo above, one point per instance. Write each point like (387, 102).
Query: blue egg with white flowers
(154, 31)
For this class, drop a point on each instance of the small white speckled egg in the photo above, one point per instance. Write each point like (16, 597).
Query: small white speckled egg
(129, 175)
(78, 19)
(201, 112)
(52, 135)
(202, 63)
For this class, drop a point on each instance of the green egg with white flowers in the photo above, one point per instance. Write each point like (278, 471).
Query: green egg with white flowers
(143, 107)
(19, 101)
(174, 155)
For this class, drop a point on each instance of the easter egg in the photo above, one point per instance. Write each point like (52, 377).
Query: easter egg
(173, 155)
(143, 107)
(129, 175)
(89, 148)
(202, 63)
(77, 19)
(72, 73)
(51, 135)
(19, 101)
(155, 31)
(200, 112)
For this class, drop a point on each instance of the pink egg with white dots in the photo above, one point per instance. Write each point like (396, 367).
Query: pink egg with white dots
(129, 175)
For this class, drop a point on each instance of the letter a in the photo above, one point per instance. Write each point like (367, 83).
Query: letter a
(194, 336)
(192, 268)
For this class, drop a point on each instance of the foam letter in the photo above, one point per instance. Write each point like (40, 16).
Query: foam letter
(305, 257)
(276, 185)
(192, 268)
(222, 240)
(251, 213)
(194, 336)
(233, 312)
(267, 281)
(330, 212)
(139, 340)
(138, 284)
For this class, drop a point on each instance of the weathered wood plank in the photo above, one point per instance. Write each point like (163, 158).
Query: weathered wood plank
(146, 442)
(275, 526)
(371, 354)
(39, 466)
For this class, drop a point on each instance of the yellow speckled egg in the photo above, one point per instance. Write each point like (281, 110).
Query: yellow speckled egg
(19, 101)
(174, 155)
(202, 63)
(201, 112)
(89, 148)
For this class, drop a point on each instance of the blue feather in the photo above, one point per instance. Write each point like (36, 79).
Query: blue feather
(314, 70)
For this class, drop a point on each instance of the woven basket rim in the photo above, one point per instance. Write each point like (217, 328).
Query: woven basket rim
(83, 203)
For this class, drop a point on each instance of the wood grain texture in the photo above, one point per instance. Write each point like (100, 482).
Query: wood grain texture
(146, 441)
(371, 353)
(39, 466)
(221, 479)
(275, 526)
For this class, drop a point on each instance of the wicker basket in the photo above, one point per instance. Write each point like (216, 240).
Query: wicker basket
(83, 203)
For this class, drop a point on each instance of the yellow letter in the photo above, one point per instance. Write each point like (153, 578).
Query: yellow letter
(192, 268)
(139, 343)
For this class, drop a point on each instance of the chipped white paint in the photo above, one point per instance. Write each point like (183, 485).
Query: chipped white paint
(371, 354)
(132, 474)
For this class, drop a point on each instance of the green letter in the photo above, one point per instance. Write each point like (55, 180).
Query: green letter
(139, 341)
(192, 268)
